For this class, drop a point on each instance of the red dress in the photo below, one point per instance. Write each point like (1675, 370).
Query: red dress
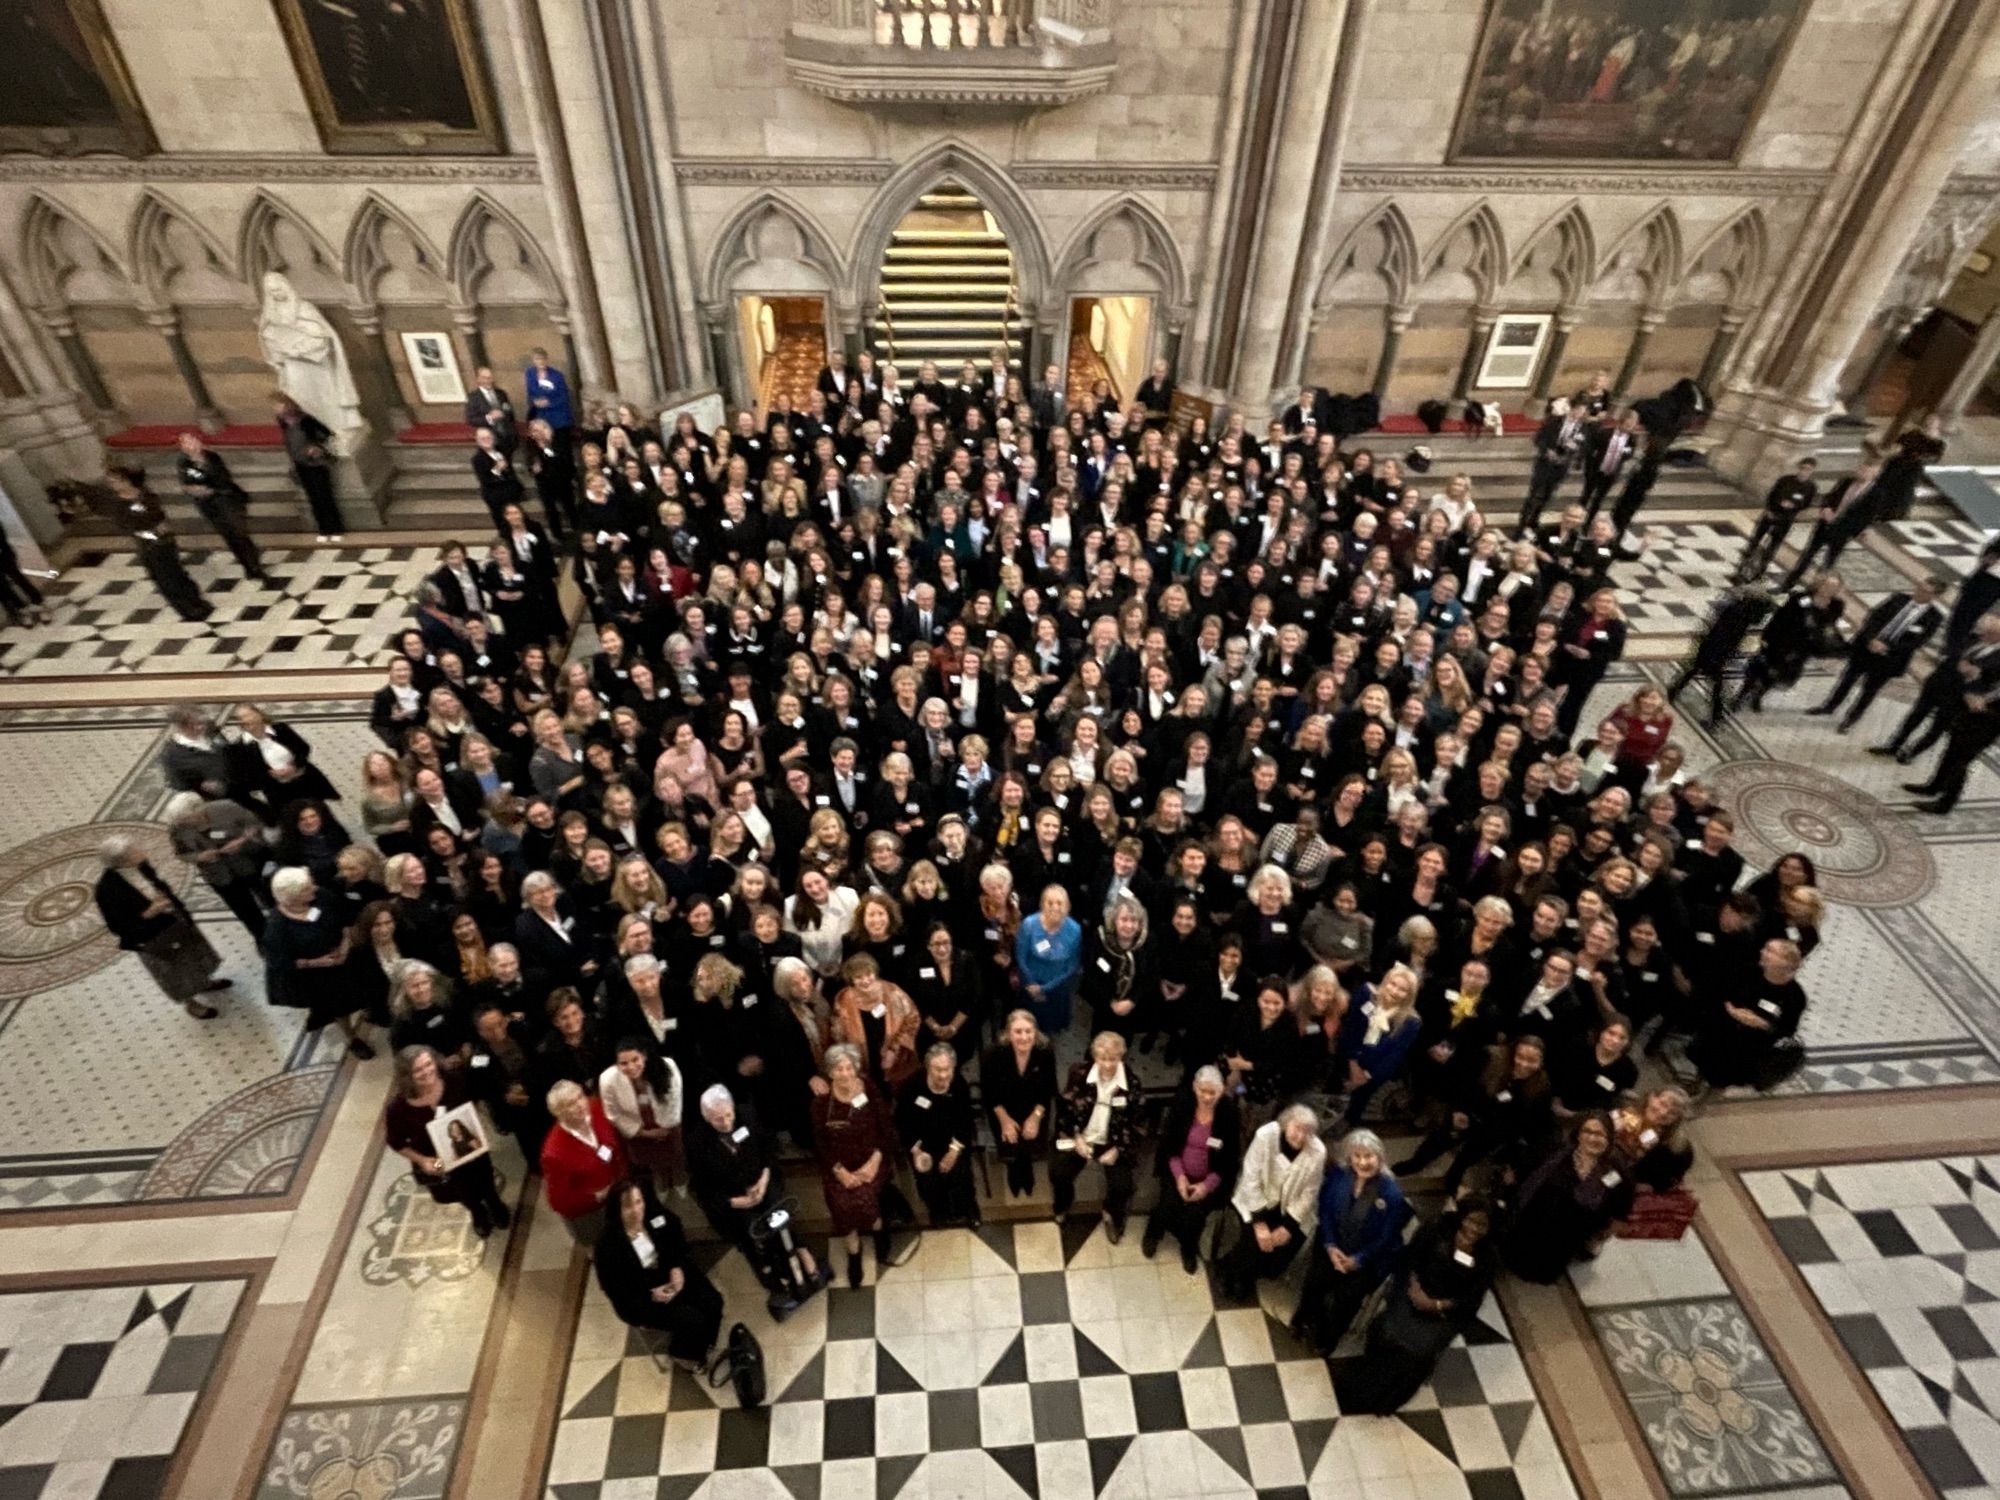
(848, 1136)
(577, 1176)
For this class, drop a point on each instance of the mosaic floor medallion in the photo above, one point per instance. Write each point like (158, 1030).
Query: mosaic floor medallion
(1865, 854)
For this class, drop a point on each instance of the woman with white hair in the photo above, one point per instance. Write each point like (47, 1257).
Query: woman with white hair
(225, 844)
(583, 1159)
(1199, 1146)
(1276, 1198)
(1097, 1124)
(1361, 1218)
(149, 919)
(306, 945)
(857, 1143)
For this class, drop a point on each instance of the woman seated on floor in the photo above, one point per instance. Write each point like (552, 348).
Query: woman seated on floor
(643, 1266)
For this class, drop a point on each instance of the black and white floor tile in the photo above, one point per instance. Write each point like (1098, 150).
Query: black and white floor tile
(1027, 1361)
(97, 1385)
(325, 607)
(1904, 1259)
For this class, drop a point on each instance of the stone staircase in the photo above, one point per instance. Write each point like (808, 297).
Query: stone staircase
(947, 288)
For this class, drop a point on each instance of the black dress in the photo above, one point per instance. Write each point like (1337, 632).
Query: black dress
(323, 994)
(1404, 1341)
(693, 1317)
(1560, 1212)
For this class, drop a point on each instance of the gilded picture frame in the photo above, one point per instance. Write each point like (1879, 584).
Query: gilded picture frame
(68, 92)
(402, 80)
(1621, 82)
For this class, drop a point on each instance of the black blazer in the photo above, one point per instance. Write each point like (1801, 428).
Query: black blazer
(628, 1286)
(1896, 659)
(498, 483)
(1223, 1159)
(124, 908)
(1003, 1086)
(478, 406)
(549, 961)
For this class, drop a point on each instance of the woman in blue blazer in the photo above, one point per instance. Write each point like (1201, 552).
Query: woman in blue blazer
(1048, 951)
(1361, 1217)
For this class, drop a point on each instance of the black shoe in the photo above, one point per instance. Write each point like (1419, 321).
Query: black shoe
(1888, 750)
(1921, 788)
(1937, 807)
(1189, 1261)
(482, 1226)
(358, 1048)
(502, 1214)
(1149, 1243)
(1842, 727)
(1905, 757)
(201, 1012)
(219, 986)
(854, 1269)
(1819, 712)
(1113, 1230)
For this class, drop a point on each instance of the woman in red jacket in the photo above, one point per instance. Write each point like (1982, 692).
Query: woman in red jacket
(583, 1158)
(1643, 727)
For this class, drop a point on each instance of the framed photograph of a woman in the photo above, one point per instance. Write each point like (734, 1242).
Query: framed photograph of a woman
(398, 77)
(459, 1136)
(67, 93)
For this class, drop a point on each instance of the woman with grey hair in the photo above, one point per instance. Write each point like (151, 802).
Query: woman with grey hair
(1275, 1199)
(1199, 1146)
(856, 1142)
(225, 845)
(1361, 1218)
(149, 919)
(306, 944)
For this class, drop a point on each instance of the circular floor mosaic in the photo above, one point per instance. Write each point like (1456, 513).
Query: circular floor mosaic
(1865, 854)
(50, 932)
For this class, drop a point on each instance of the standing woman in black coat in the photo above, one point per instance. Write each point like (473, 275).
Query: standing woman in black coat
(1114, 978)
(1017, 1082)
(278, 761)
(1200, 1146)
(306, 439)
(935, 1124)
(143, 913)
(1589, 645)
(643, 1266)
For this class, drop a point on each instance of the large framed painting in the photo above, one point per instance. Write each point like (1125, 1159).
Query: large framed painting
(402, 77)
(67, 93)
(1621, 80)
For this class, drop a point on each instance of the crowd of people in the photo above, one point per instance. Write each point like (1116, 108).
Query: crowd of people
(961, 775)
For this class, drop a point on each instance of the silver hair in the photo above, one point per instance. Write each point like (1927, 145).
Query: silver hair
(499, 948)
(642, 963)
(564, 1091)
(183, 805)
(291, 883)
(841, 1052)
(714, 1097)
(1299, 1114)
(1208, 1073)
(1365, 1140)
(115, 850)
(784, 972)
(538, 880)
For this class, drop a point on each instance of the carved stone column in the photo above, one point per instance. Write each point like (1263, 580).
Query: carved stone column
(1483, 319)
(1395, 325)
(62, 329)
(1552, 357)
(1635, 352)
(167, 323)
(368, 323)
(1971, 375)
(1720, 348)
(466, 321)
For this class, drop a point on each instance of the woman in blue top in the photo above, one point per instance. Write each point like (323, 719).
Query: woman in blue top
(1376, 1036)
(1048, 951)
(1361, 1217)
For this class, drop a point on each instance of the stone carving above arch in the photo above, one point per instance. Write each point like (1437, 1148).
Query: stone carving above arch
(1727, 270)
(66, 264)
(176, 262)
(1644, 267)
(950, 160)
(494, 261)
(771, 244)
(275, 237)
(389, 259)
(1125, 247)
(1559, 263)
(1469, 261)
(1376, 263)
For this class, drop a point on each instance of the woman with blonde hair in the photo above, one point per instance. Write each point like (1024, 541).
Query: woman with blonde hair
(1382, 1026)
(826, 846)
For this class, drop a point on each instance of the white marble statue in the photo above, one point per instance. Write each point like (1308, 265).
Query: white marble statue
(301, 345)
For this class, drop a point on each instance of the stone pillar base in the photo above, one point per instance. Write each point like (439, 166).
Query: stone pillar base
(53, 441)
(1756, 434)
(362, 474)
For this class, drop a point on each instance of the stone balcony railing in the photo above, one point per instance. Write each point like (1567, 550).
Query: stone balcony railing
(1026, 53)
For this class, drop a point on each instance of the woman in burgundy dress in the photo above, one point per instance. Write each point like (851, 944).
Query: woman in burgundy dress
(855, 1138)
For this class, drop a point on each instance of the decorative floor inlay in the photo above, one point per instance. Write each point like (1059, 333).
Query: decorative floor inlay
(1021, 1361)
(97, 1384)
(365, 1450)
(1865, 854)
(1904, 1259)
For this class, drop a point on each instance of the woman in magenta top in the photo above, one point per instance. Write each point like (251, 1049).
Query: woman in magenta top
(1199, 1147)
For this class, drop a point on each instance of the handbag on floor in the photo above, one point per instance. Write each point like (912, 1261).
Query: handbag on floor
(741, 1364)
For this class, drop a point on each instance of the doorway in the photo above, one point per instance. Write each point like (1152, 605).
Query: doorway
(948, 292)
(1110, 340)
(783, 343)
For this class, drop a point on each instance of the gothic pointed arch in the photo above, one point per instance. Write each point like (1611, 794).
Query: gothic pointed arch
(64, 261)
(950, 160)
(1377, 262)
(492, 258)
(1645, 265)
(1120, 237)
(777, 243)
(174, 259)
(1560, 260)
(388, 258)
(276, 237)
(1729, 266)
(1469, 261)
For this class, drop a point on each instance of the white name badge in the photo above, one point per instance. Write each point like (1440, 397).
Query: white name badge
(923, 1102)
(899, 950)
(604, 1153)
(1348, 942)
(1063, 859)
(860, 1101)
(1312, 1028)
(1769, 1007)
(1647, 1137)
(747, 1001)
(1606, 1084)
(1463, 1258)
(658, 1221)
(909, 807)
(1279, 929)
(740, 1134)
(992, 934)
(1505, 1096)
(1043, 946)
(879, 1011)
(822, 802)
(927, 973)
(481, 1061)
(672, 1023)
(1612, 1179)
(434, 1021)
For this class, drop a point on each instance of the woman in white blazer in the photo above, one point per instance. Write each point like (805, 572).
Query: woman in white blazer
(1277, 1198)
(641, 1093)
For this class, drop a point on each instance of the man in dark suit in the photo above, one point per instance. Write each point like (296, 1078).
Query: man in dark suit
(1883, 647)
(1050, 400)
(1606, 452)
(1156, 394)
(555, 477)
(1975, 723)
(1308, 410)
(499, 485)
(486, 405)
(1978, 593)
(1556, 443)
(1850, 509)
(1789, 495)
